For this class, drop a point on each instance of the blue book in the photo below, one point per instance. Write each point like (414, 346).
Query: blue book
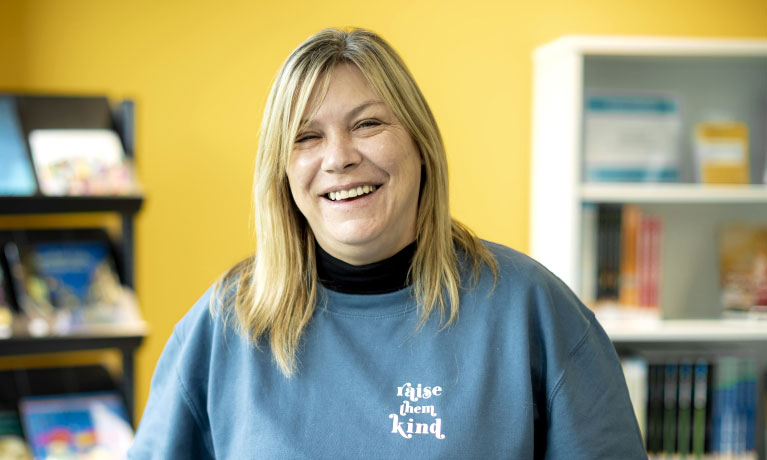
(80, 425)
(71, 268)
(16, 174)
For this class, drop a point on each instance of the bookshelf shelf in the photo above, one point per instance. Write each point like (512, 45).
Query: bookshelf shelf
(713, 331)
(69, 204)
(673, 193)
(117, 337)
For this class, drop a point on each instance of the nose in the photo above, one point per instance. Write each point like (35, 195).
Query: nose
(340, 154)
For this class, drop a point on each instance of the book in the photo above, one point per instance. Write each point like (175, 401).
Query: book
(629, 282)
(16, 174)
(685, 408)
(12, 443)
(92, 425)
(670, 388)
(589, 244)
(631, 137)
(721, 152)
(608, 252)
(81, 162)
(700, 403)
(635, 369)
(6, 314)
(743, 268)
(67, 281)
(30, 293)
(654, 440)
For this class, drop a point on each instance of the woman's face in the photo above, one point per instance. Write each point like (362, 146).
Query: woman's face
(355, 172)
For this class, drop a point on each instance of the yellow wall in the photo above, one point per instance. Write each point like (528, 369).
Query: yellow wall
(200, 71)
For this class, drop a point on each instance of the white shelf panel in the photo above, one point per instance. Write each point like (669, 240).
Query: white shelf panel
(688, 330)
(672, 193)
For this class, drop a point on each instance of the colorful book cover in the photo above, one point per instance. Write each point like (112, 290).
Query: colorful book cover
(65, 286)
(16, 174)
(743, 267)
(721, 150)
(70, 269)
(81, 162)
(631, 137)
(76, 426)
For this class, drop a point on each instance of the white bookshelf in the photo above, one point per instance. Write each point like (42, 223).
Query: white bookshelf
(706, 76)
(709, 77)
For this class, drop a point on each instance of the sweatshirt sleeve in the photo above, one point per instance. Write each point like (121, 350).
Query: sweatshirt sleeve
(171, 427)
(590, 413)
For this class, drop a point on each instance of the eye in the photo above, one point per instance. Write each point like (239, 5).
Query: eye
(368, 123)
(306, 137)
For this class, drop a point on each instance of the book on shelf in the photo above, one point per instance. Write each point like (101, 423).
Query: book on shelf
(684, 408)
(16, 174)
(65, 286)
(670, 388)
(88, 425)
(743, 269)
(631, 137)
(636, 372)
(6, 314)
(81, 162)
(721, 152)
(13, 446)
(625, 261)
(695, 408)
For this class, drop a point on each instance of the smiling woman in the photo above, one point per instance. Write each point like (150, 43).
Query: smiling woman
(340, 338)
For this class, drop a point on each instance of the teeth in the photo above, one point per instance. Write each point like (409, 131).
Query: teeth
(351, 193)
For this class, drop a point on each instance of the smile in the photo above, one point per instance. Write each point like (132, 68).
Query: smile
(352, 192)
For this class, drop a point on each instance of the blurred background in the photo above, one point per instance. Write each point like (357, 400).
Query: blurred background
(199, 73)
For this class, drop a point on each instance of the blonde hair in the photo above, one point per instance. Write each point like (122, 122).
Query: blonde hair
(273, 294)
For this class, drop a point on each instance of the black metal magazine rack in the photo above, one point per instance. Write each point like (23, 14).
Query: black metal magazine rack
(125, 339)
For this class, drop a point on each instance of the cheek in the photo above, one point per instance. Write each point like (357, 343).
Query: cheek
(300, 175)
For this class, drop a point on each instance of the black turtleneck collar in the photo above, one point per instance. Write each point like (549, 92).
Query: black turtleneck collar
(387, 275)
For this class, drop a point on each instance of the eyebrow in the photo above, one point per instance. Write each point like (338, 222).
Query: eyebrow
(353, 112)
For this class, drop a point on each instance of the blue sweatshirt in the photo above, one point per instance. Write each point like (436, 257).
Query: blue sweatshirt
(525, 372)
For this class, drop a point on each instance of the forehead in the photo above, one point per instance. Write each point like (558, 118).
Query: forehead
(342, 87)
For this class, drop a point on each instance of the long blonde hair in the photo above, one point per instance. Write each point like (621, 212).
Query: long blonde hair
(273, 294)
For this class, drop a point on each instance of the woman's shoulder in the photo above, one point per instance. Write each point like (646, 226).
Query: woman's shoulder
(530, 286)
(516, 266)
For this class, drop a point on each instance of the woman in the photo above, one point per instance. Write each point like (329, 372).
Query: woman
(341, 337)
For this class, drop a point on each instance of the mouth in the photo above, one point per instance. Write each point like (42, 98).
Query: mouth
(352, 193)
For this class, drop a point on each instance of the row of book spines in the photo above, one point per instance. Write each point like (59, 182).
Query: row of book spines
(695, 408)
(627, 255)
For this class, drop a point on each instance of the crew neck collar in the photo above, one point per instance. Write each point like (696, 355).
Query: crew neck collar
(385, 276)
